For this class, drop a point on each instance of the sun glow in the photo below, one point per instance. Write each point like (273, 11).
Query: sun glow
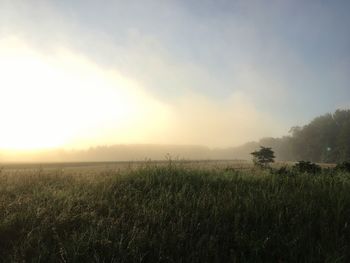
(65, 100)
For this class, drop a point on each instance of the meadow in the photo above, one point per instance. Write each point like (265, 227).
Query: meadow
(173, 212)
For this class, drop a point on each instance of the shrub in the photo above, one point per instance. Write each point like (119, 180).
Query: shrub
(344, 166)
(284, 171)
(307, 167)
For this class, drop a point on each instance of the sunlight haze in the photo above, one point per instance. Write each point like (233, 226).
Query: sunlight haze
(75, 75)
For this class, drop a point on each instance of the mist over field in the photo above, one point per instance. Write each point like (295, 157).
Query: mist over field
(216, 74)
(326, 139)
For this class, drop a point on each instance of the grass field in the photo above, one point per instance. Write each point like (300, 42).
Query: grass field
(172, 212)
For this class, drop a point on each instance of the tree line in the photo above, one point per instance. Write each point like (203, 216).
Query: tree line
(325, 139)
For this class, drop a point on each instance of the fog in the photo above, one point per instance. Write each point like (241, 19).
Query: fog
(216, 74)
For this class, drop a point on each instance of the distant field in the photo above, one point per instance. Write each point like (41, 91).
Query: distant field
(88, 168)
(214, 211)
(91, 167)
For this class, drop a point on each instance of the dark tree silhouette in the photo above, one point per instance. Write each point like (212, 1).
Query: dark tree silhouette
(326, 139)
(263, 157)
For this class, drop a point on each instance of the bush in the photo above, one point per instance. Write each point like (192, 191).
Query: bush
(344, 167)
(307, 167)
(284, 171)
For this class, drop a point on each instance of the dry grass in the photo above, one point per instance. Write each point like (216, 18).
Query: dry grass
(173, 212)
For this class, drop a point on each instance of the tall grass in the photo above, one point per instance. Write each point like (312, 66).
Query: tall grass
(175, 214)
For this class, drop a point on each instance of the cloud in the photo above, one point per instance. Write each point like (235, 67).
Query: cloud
(220, 73)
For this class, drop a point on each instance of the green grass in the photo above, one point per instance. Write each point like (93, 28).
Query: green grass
(175, 214)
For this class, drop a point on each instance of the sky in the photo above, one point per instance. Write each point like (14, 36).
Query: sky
(75, 74)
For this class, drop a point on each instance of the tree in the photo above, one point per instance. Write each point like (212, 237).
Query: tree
(263, 157)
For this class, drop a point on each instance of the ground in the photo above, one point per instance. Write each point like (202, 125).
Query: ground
(219, 211)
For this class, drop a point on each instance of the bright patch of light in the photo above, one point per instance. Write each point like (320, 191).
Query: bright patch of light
(61, 100)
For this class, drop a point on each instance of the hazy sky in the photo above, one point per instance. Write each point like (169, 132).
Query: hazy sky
(216, 73)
